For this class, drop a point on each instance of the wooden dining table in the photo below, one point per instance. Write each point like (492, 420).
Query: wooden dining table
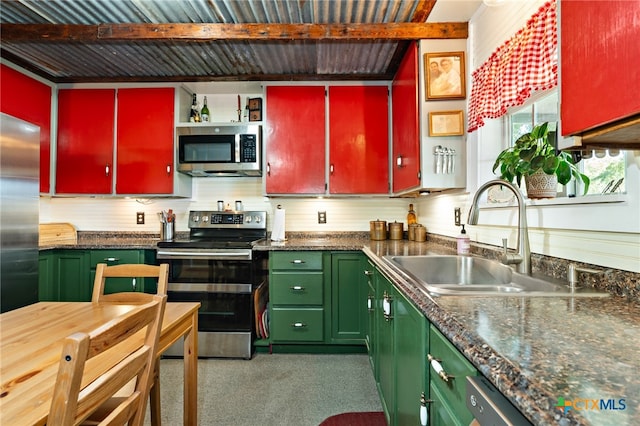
(31, 345)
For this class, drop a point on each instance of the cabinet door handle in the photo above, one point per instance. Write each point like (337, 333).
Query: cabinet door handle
(331, 168)
(386, 306)
(107, 169)
(298, 325)
(368, 273)
(268, 169)
(133, 284)
(298, 261)
(399, 161)
(297, 288)
(168, 169)
(370, 302)
(438, 368)
(424, 412)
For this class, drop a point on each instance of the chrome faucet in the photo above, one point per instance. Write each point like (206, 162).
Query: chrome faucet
(523, 257)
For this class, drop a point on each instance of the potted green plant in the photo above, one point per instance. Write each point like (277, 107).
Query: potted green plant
(533, 157)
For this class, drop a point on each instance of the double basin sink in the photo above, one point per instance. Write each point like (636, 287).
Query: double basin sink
(447, 275)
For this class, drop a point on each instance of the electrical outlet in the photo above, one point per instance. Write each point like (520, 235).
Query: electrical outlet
(322, 217)
(456, 215)
(140, 218)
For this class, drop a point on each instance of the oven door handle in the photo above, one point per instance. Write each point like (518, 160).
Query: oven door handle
(243, 255)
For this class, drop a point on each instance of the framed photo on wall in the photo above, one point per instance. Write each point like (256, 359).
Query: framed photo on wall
(446, 123)
(444, 73)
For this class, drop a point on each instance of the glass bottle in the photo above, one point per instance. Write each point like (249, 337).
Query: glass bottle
(194, 116)
(204, 112)
(411, 215)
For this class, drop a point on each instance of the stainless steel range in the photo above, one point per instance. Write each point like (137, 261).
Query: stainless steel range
(217, 267)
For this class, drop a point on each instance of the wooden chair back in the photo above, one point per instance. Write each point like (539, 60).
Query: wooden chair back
(116, 348)
(127, 271)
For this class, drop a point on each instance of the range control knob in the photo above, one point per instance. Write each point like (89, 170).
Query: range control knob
(195, 218)
(248, 219)
(258, 220)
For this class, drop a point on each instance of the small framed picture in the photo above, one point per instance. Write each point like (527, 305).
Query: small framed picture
(255, 109)
(446, 123)
(444, 73)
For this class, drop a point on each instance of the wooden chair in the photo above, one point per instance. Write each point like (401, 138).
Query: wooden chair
(134, 271)
(115, 347)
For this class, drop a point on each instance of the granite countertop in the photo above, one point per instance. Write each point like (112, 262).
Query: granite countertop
(535, 350)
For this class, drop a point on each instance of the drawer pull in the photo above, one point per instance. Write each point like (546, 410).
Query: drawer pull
(298, 325)
(370, 303)
(297, 288)
(297, 261)
(424, 412)
(437, 367)
(111, 259)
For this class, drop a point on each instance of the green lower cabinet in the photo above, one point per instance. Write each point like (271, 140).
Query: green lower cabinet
(440, 412)
(72, 281)
(297, 296)
(411, 339)
(370, 338)
(348, 297)
(46, 268)
(385, 346)
(451, 392)
(67, 275)
(318, 299)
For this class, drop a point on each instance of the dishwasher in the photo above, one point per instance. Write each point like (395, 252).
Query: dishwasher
(489, 407)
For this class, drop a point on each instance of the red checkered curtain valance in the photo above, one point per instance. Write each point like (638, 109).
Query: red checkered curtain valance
(527, 62)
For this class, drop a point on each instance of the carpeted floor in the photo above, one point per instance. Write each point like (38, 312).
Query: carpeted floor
(276, 389)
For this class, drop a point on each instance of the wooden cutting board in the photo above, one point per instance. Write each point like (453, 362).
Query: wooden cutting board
(57, 233)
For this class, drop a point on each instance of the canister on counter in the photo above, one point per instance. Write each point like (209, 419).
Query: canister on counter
(421, 233)
(412, 231)
(378, 230)
(396, 230)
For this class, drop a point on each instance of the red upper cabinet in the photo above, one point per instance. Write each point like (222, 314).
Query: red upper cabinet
(29, 100)
(295, 140)
(600, 63)
(85, 141)
(406, 124)
(358, 140)
(145, 141)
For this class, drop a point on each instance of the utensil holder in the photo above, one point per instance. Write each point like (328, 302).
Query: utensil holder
(167, 231)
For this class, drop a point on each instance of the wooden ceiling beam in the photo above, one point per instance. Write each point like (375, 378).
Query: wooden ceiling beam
(242, 32)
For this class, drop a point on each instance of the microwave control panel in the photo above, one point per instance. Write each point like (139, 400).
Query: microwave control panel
(248, 149)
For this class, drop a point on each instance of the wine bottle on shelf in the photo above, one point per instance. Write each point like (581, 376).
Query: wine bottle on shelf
(204, 112)
(194, 116)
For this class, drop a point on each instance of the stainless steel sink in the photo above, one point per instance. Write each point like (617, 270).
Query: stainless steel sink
(465, 275)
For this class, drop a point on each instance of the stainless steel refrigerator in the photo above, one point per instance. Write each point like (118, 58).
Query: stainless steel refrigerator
(19, 216)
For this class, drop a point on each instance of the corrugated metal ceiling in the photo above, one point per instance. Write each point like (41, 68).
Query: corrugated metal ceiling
(187, 60)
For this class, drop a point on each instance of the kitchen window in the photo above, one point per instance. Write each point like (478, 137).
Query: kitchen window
(605, 168)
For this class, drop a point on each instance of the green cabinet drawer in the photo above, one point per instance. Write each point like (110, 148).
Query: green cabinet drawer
(115, 257)
(454, 364)
(296, 260)
(118, 257)
(297, 325)
(297, 289)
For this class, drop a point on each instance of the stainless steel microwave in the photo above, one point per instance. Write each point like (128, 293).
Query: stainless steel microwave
(234, 150)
